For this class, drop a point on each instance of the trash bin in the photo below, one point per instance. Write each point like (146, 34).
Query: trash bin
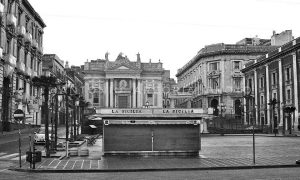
(38, 156)
(29, 156)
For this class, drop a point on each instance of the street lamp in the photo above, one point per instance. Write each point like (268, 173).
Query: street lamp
(222, 108)
(289, 110)
(273, 103)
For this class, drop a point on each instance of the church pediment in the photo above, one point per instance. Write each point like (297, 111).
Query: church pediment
(123, 68)
(122, 63)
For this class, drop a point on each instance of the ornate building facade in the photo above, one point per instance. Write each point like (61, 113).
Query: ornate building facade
(123, 83)
(21, 59)
(273, 83)
(214, 76)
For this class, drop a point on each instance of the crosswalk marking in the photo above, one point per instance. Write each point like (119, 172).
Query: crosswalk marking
(17, 158)
(9, 156)
(1, 154)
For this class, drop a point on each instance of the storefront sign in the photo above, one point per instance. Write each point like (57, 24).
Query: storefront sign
(150, 111)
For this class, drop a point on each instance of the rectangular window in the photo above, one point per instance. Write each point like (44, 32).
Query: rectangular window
(150, 99)
(24, 87)
(250, 83)
(17, 83)
(261, 82)
(237, 83)
(214, 83)
(261, 100)
(31, 63)
(274, 95)
(236, 65)
(25, 60)
(213, 66)
(96, 98)
(288, 72)
(274, 78)
(288, 94)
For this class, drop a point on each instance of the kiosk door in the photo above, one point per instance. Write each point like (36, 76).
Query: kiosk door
(127, 138)
(176, 138)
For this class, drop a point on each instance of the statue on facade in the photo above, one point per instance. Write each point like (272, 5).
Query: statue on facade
(106, 56)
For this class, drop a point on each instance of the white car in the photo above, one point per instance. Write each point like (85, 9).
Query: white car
(39, 136)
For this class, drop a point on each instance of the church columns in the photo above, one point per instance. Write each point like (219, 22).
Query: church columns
(111, 93)
(106, 93)
(134, 93)
(139, 94)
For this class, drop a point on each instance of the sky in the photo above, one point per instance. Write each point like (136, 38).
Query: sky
(172, 31)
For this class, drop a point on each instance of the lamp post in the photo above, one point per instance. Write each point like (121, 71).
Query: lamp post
(289, 110)
(222, 108)
(273, 103)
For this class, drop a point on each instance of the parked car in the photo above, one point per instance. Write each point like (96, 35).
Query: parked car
(39, 135)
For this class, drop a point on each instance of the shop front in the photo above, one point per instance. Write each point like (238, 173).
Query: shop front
(152, 131)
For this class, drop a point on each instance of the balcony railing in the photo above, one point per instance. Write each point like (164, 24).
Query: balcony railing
(21, 66)
(28, 38)
(10, 59)
(213, 91)
(11, 20)
(21, 31)
(213, 73)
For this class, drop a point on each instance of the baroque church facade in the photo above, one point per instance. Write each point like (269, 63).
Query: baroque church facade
(123, 83)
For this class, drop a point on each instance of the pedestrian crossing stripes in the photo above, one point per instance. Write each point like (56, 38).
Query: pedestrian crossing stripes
(13, 156)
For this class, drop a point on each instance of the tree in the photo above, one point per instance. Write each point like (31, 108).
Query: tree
(45, 82)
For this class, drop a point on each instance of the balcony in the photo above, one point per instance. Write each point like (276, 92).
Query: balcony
(35, 45)
(21, 66)
(28, 38)
(10, 59)
(11, 20)
(237, 74)
(213, 91)
(21, 31)
(214, 73)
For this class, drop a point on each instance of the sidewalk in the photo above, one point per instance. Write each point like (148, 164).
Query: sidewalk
(95, 162)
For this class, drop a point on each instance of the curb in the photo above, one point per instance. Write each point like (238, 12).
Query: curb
(155, 169)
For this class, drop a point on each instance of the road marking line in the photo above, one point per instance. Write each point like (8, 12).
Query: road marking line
(51, 162)
(41, 164)
(74, 164)
(3, 170)
(57, 164)
(17, 158)
(1, 154)
(9, 155)
(82, 164)
(66, 164)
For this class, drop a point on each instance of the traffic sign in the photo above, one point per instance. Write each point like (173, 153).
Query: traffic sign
(19, 114)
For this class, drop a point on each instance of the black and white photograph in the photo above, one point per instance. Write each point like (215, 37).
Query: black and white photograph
(149, 90)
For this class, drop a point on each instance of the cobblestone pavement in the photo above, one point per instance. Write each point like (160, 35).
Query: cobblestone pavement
(217, 152)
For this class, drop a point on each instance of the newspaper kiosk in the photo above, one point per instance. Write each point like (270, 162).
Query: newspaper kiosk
(152, 131)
